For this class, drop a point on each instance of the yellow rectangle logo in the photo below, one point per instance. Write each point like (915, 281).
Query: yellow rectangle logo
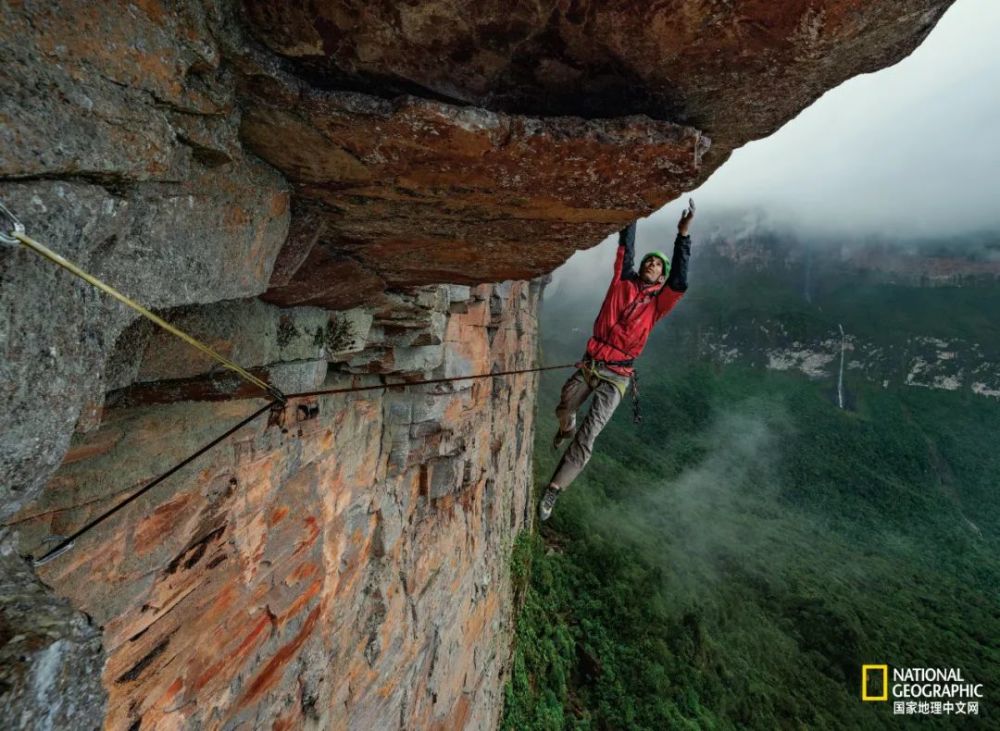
(885, 683)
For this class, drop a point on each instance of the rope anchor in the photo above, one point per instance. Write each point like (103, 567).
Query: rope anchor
(18, 236)
(17, 228)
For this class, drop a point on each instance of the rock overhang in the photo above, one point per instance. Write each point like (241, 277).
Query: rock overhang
(417, 192)
(736, 70)
(459, 142)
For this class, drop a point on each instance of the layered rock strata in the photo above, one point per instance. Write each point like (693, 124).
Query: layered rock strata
(340, 564)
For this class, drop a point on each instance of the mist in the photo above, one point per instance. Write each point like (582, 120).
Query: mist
(714, 510)
(909, 153)
(911, 150)
(725, 512)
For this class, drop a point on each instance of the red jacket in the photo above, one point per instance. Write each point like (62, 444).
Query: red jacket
(631, 308)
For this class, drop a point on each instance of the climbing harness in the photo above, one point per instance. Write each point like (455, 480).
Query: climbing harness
(16, 235)
(626, 362)
(633, 379)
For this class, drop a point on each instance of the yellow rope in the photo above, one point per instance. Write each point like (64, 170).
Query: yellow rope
(588, 366)
(90, 279)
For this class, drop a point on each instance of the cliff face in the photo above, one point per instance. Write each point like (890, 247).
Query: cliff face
(341, 564)
(313, 189)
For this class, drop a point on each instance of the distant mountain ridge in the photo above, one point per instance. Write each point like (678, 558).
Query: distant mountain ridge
(749, 239)
(914, 313)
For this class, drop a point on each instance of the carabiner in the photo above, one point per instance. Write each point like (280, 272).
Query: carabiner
(17, 227)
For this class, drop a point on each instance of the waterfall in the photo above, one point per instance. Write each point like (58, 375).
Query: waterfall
(807, 279)
(840, 378)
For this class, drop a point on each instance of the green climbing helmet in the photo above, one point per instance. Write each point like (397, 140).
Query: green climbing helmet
(659, 255)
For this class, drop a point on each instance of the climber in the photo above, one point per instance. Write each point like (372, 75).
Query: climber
(634, 303)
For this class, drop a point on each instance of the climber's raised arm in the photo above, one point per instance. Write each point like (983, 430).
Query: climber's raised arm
(677, 284)
(625, 256)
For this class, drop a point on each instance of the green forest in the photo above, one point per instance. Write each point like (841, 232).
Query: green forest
(733, 560)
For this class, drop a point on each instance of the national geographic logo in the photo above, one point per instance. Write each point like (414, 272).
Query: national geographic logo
(922, 691)
(881, 683)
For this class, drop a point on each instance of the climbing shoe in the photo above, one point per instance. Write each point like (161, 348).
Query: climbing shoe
(560, 438)
(548, 502)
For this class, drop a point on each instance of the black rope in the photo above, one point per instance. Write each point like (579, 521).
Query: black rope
(328, 391)
(67, 543)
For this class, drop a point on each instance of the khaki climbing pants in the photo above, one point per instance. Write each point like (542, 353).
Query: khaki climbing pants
(607, 389)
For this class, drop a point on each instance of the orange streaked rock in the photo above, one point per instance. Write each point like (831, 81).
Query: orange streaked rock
(292, 547)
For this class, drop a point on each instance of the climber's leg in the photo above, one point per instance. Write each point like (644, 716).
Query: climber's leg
(606, 400)
(574, 392)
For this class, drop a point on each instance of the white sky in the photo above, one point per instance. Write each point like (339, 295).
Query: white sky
(909, 151)
(913, 149)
